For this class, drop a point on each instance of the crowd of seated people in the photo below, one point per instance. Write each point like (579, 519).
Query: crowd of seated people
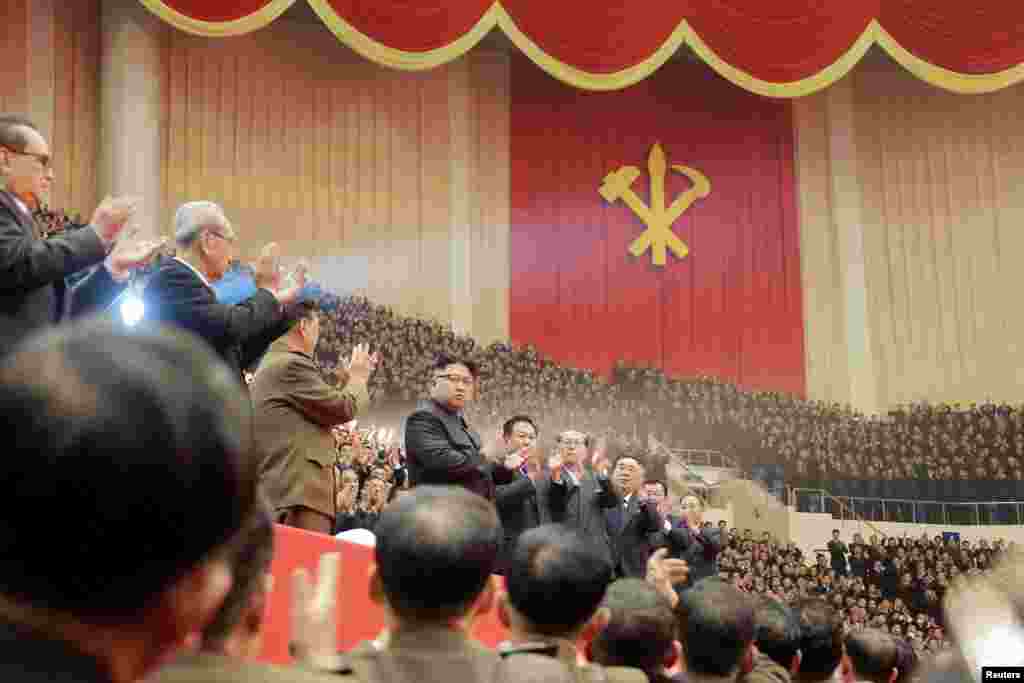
(813, 440)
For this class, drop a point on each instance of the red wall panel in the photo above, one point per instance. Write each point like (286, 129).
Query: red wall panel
(732, 308)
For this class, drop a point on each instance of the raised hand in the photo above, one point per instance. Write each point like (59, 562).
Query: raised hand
(314, 608)
(600, 461)
(664, 572)
(111, 217)
(298, 282)
(362, 363)
(555, 464)
(514, 461)
(130, 254)
(268, 268)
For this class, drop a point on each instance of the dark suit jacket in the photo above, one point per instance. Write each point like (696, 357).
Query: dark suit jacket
(582, 506)
(522, 505)
(699, 549)
(239, 333)
(441, 449)
(27, 657)
(212, 668)
(633, 545)
(446, 656)
(294, 409)
(33, 291)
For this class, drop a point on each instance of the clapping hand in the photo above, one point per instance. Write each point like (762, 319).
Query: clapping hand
(298, 283)
(267, 268)
(130, 254)
(314, 609)
(111, 217)
(555, 464)
(665, 572)
(362, 363)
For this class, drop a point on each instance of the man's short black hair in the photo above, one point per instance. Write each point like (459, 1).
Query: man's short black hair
(556, 579)
(641, 630)
(436, 549)
(443, 360)
(835, 531)
(249, 554)
(509, 427)
(12, 132)
(777, 632)
(873, 655)
(821, 639)
(659, 482)
(142, 438)
(716, 627)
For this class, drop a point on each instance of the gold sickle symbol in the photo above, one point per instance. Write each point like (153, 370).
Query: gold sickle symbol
(658, 236)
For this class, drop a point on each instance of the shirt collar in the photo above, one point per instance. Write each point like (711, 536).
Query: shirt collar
(194, 270)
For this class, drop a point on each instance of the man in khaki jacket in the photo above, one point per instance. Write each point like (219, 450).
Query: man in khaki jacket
(555, 581)
(294, 411)
(437, 547)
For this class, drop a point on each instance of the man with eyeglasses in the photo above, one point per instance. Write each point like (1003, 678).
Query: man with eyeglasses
(440, 446)
(33, 289)
(180, 291)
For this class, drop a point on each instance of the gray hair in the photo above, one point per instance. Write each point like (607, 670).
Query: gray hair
(192, 217)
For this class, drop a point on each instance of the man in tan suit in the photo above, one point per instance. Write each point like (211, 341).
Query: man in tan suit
(295, 409)
(437, 547)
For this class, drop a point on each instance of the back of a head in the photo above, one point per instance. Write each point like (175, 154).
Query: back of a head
(641, 629)
(556, 579)
(138, 437)
(873, 654)
(436, 549)
(821, 639)
(716, 627)
(249, 554)
(777, 632)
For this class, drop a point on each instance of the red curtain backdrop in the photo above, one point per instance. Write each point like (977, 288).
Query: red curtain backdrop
(776, 42)
(730, 309)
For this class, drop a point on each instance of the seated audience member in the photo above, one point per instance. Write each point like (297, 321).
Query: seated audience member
(641, 631)
(821, 640)
(777, 636)
(872, 656)
(294, 410)
(436, 550)
(717, 630)
(555, 582)
(145, 437)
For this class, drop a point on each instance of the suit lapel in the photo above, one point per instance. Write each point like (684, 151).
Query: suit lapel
(25, 219)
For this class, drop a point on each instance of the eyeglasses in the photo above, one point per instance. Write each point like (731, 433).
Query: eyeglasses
(229, 239)
(457, 379)
(43, 159)
(573, 442)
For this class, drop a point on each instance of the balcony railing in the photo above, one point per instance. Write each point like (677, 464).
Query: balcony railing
(912, 511)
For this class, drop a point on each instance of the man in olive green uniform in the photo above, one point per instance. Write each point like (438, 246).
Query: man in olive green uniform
(294, 411)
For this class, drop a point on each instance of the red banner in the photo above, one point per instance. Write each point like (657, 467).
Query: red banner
(732, 307)
(359, 618)
(785, 48)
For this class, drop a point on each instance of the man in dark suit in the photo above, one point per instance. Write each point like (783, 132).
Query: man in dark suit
(579, 497)
(518, 501)
(90, 415)
(33, 291)
(180, 291)
(294, 410)
(632, 524)
(440, 446)
(437, 548)
(690, 540)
